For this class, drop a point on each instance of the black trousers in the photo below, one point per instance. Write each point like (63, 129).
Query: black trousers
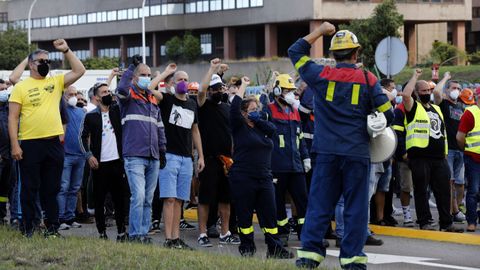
(5, 185)
(41, 171)
(109, 178)
(157, 205)
(295, 184)
(251, 193)
(436, 173)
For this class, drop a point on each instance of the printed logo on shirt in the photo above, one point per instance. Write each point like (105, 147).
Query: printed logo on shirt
(435, 125)
(181, 117)
(455, 113)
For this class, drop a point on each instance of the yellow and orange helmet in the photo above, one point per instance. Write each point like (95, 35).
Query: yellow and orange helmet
(466, 95)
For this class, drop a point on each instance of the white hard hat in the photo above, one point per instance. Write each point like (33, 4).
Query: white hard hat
(383, 145)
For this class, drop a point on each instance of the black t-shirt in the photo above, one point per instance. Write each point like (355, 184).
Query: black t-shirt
(452, 113)
(436, 143)
(178, 116)
(214, 124)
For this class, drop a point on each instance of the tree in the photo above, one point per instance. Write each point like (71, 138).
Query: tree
(445, 53)
(14, 48)
(191, 47)
(101, 62)
(174, 48)
(385, 21)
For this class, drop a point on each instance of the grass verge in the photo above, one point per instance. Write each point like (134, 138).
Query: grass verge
(88, 253)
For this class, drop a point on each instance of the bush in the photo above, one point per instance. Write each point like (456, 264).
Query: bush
(474, 58)
(446, 54)
(174, 48)
(101, 62)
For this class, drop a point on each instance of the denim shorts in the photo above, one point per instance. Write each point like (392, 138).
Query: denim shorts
(174, 180)
(457, 168)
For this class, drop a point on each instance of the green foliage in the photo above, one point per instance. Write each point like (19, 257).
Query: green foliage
(14, 48)
(384, 22)
(446, 54)
(474, 58)
(101, 62)
(187, 49)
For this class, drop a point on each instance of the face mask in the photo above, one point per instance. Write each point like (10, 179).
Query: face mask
(216, 97)
(143, 82)
(454, 94)
(72, 101)
(394, 92)
(424, 98)
(398, 99)
(4, 96)
(107, 100)
(181, 88)
(43, 69)
(290, 98)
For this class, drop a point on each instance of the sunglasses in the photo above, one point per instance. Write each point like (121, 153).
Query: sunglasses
(43, 61)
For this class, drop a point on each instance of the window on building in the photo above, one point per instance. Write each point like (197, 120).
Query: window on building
(122, 14)
(202, 6)
(54, 21)
(163, 50)
(112, 15)
(92, 17)
(242, 3)
(135, 13)
(47, 22)
(155, 10)
(104, 16)
(43, 23)
(215, 5)
(109, 52)
(476, 12)
(72, 19)
(36, 23)
(147, 12)
(55, 55)
(82, 18)
(206, 43)
(63, 20)
(82, 54)
(256, 3)
(190, 6)
(228, 4)
(3, 17)
(138, 50)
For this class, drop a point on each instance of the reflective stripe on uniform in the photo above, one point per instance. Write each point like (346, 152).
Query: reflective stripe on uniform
(417, 136)
(310, 255)
(281, 141)
(302, 62)
(399, 128)
(270, 230)
(330, 91)
(471, 134)
(139, 117)
(418, 126)
(308, 136)
(301, 221)
(354, 259)
(385, 107)
(355, 94)
(245, 230)
(3, 199)
(282, 222)
(470, 145)
(304, 110)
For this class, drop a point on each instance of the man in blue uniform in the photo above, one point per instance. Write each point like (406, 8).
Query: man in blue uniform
(343, 98)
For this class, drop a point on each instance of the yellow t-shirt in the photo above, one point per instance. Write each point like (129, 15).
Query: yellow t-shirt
(40, 113)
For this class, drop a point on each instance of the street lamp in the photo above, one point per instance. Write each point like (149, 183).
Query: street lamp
(143, 32)
(30, 22)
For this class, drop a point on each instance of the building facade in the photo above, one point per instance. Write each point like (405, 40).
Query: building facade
(229, 29)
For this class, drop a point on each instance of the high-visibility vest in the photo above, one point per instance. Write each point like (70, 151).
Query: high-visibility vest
(418, 130)
(472, 139)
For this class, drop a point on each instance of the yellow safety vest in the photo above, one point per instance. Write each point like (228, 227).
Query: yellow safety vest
(418, 130)
(472, 139)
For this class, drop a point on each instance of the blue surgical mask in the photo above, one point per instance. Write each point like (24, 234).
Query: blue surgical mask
(4, 95)
(398, 99)
(143, 82)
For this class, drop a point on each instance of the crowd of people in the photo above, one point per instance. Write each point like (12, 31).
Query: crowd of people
(158, 141)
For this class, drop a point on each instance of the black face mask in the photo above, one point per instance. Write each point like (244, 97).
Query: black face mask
(216, 97)
(424, 98)
(107, 100)
(80, 105)
(43, 69)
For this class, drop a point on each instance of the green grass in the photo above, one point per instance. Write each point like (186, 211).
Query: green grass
(462, 73)
(88, 253)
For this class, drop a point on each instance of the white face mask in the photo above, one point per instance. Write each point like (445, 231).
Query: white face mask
(394, 92)
(454, 94)
(290, 98)
(72, 101)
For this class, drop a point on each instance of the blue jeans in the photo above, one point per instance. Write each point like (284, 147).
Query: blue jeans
(472, 172)
(334, 176)
(142, 174)
(72, 177)
(455, 163)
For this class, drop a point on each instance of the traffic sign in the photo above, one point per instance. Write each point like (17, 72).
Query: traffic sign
(391, 56)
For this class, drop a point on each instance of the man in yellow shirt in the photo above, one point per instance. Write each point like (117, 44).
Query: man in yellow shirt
(34, 126)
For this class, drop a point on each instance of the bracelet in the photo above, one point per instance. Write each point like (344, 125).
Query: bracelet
(68, 49)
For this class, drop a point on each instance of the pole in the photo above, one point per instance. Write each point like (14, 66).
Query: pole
(143, 33)
(30, 22)
(389, 52)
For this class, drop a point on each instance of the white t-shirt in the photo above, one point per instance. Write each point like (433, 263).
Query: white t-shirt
(109, 140)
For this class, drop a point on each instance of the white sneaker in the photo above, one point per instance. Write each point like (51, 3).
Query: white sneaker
(64, 226)
(432, 204)
(75, 225)
(459, 217)
(397, 211)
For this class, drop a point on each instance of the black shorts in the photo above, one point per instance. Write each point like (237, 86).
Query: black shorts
(214, 186)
